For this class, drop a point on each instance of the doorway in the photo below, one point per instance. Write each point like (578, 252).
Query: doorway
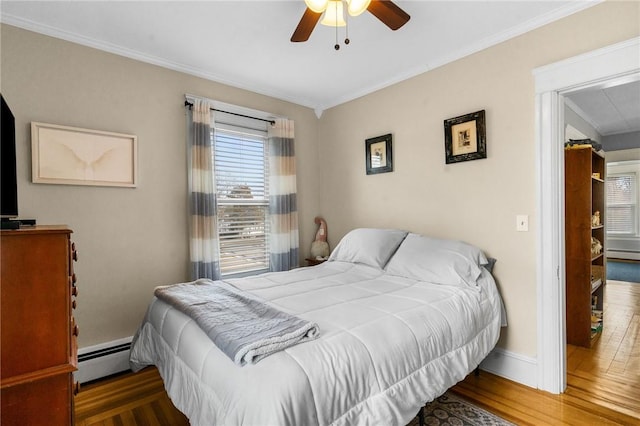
(617, 63)
(608, 113)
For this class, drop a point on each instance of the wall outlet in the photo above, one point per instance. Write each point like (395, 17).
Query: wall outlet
(522, 223)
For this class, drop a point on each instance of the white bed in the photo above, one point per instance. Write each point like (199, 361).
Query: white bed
(402, 318)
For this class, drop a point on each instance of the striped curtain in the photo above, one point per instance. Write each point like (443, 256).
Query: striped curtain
(283, 211)
(204, 247)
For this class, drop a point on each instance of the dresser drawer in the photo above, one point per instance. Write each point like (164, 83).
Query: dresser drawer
(48, 401)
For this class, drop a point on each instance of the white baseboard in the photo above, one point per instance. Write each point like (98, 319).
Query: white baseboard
(105, 359)
(512, 366)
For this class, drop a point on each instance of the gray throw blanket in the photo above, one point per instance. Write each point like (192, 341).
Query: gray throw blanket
(242, 326)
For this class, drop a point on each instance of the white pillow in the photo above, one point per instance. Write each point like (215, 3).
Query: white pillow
(438, 261)
(372, 247)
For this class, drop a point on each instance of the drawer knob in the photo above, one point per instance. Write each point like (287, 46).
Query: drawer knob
(73, 304)
(73, 279)
(74, 291)
(76, 331)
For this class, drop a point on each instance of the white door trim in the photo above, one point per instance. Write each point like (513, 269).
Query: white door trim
(610, 65)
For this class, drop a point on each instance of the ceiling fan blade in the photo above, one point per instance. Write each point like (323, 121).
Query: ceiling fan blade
(305, 26)
(389, 13)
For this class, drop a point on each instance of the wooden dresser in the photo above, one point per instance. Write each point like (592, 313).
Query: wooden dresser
(38, 331)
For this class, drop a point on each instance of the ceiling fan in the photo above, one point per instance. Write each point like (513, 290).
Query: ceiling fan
(385, 10)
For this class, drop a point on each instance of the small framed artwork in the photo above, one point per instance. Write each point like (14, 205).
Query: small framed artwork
(74, 156)
(378, 153)
(465, 138)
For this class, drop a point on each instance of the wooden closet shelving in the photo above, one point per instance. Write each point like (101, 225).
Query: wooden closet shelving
(585, 269)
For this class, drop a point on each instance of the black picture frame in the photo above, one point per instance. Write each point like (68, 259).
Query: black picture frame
(465, 137)
(378, 153)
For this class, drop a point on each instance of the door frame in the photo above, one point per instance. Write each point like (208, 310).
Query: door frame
(608, 66)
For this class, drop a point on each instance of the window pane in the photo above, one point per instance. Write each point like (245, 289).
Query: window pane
(620, 189)
(620, 220)
(240, 166)
(243, 238)
(621, 204)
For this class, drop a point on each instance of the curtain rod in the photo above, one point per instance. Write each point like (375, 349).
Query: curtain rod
(189, 104)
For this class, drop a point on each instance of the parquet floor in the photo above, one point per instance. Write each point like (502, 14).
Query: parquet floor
(603, 384)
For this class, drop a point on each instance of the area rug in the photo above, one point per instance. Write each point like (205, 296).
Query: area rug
(623, 271)
(450, 410)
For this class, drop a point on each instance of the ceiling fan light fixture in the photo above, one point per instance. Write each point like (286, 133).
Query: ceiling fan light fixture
(334, 15)
(356, 7)
(317, 6)
(331, 13)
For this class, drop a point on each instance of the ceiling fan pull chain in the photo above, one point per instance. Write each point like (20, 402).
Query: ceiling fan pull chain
(337, 46)
(346, 18)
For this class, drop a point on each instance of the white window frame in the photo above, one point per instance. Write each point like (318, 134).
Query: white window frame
(633, 231)
(243, 127)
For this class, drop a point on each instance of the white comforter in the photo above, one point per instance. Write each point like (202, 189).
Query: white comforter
(387, 346)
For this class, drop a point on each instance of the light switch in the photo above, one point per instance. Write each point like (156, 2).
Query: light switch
(522, 223)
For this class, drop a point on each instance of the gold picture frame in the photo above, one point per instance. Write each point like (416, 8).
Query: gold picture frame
(66, 155)
(465, 137)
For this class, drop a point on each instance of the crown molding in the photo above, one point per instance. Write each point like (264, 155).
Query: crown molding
(315, 104)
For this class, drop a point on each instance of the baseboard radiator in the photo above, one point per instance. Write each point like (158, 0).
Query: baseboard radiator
(623, 254)
(106, 359)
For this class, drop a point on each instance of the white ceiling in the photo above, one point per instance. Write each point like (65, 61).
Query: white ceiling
(611, 109)
(246, 43)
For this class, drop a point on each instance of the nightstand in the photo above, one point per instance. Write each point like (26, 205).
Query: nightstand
(313, 262)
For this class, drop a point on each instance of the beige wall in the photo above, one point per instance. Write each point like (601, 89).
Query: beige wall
(475, 201)
(129, 240)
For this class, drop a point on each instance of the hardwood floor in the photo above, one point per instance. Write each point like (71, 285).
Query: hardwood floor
(128, 399)
(603, 383)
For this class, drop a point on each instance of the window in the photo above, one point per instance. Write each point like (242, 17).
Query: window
(241, 172)
(622, 204)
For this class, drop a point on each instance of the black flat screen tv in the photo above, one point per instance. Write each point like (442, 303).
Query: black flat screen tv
(8, 175)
